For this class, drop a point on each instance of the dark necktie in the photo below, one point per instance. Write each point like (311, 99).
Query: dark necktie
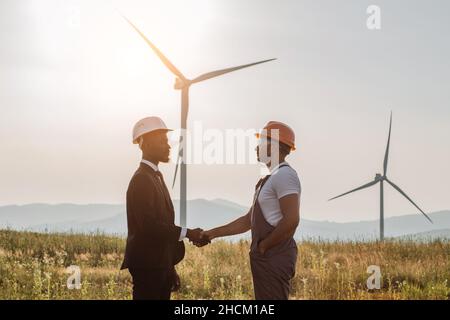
(164, 187)
(160, 176)
(161, 181)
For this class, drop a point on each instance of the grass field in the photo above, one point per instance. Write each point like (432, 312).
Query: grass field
(33, 266)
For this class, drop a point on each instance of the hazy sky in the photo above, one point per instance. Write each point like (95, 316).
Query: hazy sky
(74, 78)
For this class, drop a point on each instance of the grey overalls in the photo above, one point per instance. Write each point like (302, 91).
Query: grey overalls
(273, 270)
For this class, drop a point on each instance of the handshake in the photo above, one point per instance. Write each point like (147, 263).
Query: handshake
(199, 237)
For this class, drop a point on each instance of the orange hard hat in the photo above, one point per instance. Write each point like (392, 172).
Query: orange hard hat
(285, 133)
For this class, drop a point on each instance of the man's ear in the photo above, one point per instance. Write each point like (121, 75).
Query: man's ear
(141, 142)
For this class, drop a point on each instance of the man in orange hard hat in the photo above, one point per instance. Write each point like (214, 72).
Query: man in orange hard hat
(154, 243)
(273, 216)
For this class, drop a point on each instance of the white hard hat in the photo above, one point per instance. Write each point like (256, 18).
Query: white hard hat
(147, 125)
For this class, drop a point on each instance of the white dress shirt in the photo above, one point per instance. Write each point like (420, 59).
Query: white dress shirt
(155, 168)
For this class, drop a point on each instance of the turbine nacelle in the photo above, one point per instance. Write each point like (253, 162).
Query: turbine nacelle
(181, 84)
(379, 177)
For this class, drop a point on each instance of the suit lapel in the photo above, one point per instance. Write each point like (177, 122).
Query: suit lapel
(161, 186)
(167, 197)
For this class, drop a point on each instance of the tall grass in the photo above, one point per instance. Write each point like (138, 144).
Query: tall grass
(33, 266)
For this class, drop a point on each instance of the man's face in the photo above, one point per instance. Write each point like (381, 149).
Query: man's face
(157, 145)
(263, 150)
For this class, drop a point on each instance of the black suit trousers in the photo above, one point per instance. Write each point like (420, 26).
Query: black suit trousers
(151, 283)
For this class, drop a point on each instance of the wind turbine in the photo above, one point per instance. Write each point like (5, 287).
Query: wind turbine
(381, 179)
(182, 83)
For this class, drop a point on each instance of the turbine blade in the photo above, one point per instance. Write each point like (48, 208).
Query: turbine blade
(178, 162)
(176, 171)
(161, 56)
(217, 73)
(386, 155)
(359, 188)
(184, 115)
(404, 194)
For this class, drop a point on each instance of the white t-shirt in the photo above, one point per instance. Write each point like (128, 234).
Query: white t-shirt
(283, 181)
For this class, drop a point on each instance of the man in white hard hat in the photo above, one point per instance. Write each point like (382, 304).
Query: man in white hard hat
(154, 243)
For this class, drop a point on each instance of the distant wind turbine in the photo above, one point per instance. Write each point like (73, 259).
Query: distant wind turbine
(380, 179)
(182, 83)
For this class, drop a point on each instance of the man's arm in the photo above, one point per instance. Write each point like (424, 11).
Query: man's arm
(290, 208)
(240, 225)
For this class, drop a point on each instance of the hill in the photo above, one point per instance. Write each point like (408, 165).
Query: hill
(111, 219)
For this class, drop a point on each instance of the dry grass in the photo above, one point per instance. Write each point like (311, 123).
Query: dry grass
(32, 266)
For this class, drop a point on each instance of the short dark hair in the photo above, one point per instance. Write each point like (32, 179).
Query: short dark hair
(284, 148)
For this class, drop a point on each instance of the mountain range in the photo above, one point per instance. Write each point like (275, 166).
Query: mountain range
(111, 219)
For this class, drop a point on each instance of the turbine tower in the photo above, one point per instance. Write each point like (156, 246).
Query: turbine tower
(182, 83)
(381, 179)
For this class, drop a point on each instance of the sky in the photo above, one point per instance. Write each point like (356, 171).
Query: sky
(74, 78)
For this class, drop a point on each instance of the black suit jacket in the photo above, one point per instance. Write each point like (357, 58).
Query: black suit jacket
(152, 240)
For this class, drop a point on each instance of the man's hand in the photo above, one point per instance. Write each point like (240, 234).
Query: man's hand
(208, 234)
(262, 247)
(196, 237)
(176, 283)
(205, 238)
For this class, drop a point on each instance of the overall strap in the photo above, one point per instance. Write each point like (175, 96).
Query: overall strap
(261, 183)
